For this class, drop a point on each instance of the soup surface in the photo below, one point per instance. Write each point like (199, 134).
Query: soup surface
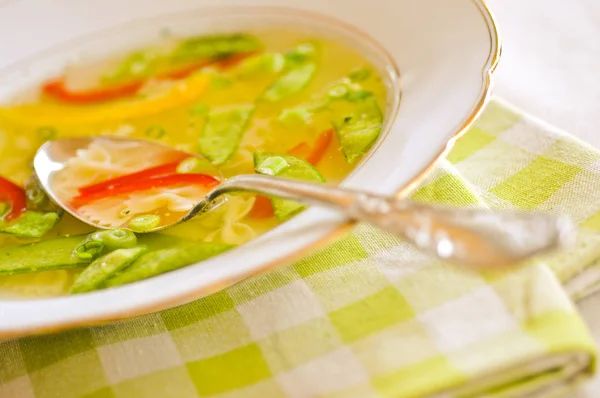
(275, 102)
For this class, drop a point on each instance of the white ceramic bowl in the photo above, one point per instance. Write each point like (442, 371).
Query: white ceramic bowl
(445, 50)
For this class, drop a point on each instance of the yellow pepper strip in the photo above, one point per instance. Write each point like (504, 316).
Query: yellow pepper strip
(182, 93)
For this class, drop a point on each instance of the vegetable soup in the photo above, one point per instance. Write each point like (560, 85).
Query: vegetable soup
(274, 102)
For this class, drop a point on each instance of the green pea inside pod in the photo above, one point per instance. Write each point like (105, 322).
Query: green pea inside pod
(115, 238)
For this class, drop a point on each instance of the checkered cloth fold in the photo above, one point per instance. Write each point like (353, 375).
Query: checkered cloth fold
(368, 316)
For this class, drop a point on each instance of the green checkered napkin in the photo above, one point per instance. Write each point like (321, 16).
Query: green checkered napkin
(368, 316)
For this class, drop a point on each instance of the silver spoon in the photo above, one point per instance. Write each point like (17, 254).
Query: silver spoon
(470, 237)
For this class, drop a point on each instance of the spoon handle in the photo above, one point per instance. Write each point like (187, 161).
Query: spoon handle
(470, 237)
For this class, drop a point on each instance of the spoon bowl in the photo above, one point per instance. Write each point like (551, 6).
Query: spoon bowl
(54, 156)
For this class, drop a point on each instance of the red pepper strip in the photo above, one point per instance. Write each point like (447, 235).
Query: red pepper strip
(15, 196)
(315, 154)
(57, 88)
(132, 178)
(262, 208)
(320, 147)
(302, 150)
(167, 180)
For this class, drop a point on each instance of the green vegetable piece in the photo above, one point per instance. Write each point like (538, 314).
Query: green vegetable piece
(291, 82)
(160, 261)
(261, 64)
(338, 91)
(144, 223)
(199, 110)
(223, 132)
(90, 250)
(359, 75)
(215, 47)
(358, 95)
(359, 131)
(114, 239)
(296, 168)
(273, 165)
(345, 89)
(302, 53)
(36, 197)
(100, 242)
(341, 90)
(155, 132)
(41, 256)
(137, 65)
(60, 253)
(105, 267)
(197, 165)
(295, 117)
(319, 105)
(31, 224)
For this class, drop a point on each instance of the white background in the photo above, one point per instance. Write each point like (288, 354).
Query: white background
(550, 68)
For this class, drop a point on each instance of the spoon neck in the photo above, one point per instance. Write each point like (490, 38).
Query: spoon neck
(304, 192)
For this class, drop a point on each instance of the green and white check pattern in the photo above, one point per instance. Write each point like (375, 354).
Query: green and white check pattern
(368, 316)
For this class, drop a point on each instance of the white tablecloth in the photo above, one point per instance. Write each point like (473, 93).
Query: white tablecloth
(551, 68)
